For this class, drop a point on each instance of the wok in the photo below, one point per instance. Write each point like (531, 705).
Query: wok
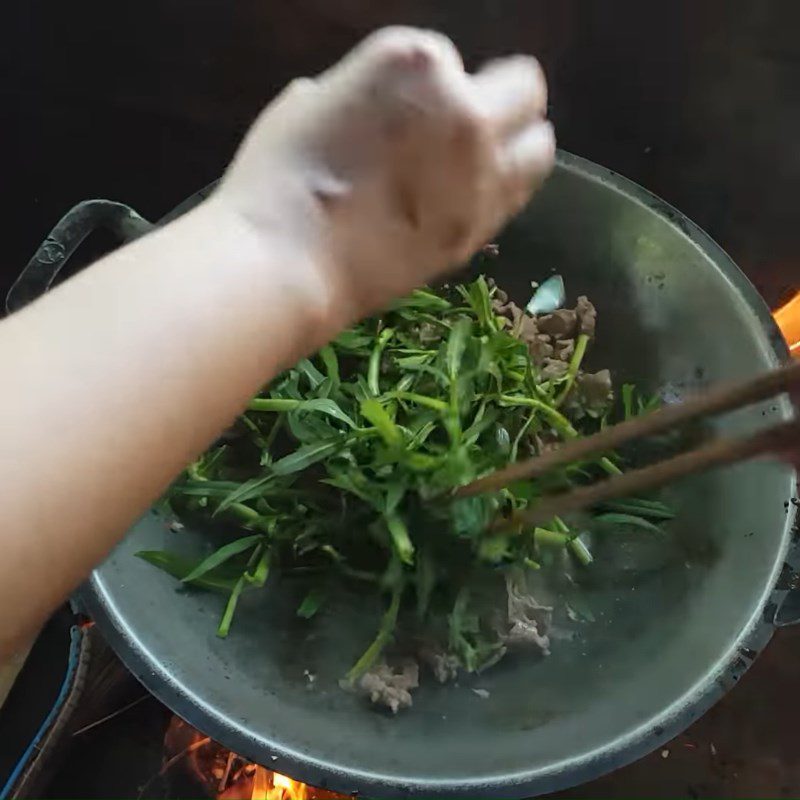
(674, 627)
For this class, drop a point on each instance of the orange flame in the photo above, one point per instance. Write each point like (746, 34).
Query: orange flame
(224, 775)
(788, 319)
(268, 785)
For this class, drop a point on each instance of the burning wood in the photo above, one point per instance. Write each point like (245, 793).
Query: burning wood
(225, 775)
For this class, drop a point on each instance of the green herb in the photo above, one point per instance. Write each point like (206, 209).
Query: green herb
(340, 474)
(221, 556)
(627, 519)
(312, 603)
(178, 567)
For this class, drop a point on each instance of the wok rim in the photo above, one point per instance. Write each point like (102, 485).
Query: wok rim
(570, 771)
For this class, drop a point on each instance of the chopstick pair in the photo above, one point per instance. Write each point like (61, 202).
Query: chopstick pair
(716, 453)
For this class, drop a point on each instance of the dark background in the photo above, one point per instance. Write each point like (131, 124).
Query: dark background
(698, 101)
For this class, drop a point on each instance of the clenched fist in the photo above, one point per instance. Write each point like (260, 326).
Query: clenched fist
(391, 167)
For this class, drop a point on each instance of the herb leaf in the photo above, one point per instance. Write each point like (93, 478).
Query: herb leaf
(221, 556)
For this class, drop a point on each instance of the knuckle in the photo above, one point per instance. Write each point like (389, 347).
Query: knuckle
(410, 48)
(528, 70)
(441, 44)
(528, 63)
(399, 44)
(301, 85)
(471, 123)
(388, 37)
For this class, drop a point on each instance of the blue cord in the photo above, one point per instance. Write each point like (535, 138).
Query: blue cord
(75, 637)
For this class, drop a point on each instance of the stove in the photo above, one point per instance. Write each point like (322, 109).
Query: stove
(80, 725)
(99, 734)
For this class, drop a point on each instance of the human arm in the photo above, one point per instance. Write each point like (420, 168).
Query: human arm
(350, 189)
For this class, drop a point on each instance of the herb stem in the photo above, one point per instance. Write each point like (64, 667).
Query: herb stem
(574, 367)
(561, 424)
(609, 466)
(374, 369)
(380, 641)
(575, 545)
(560, 525)
(230, 608)
(543, 537)
(421, 400)
(273, 432)
(244, 512)
(273, 404)
(233, 600)
(581, 552)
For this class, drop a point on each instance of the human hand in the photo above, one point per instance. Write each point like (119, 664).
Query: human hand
(391, 167)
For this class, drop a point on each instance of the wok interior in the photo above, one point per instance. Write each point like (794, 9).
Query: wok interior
(668, 317)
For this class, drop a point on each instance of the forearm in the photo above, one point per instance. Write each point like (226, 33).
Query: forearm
(350, 189)
(123, 375)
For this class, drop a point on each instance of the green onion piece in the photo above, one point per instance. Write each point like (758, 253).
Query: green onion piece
(547, 538)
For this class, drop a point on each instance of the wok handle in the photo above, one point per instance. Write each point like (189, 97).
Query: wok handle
(64, 240)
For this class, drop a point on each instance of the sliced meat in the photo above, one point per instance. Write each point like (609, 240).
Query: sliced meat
(544, 444)
(563, 349)
(517, 314)
(389, 687)
(428, 333)
(587, 316)
(561, 324)
(540, 349)
(552, 369)
(510, 310)
(527, 330)
(528, 620)
(596, 388)
(444, 665)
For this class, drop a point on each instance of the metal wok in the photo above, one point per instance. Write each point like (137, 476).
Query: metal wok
(670, 636)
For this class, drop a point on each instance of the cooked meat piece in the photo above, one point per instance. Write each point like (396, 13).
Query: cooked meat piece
(552, 368)
(517, 315)
(539, 344)
(540, 350)
(587, 316)
(560, 324)
(527, 330)
(510, 310)
(428, 332)
(523, 632)
(563, 349)
(596, 388)
(500, 295)
(499, 307)
(443, 665)
(543, 444)
(384, 686)
(528, 620)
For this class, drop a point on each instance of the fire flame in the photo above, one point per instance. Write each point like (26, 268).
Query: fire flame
(224, 775)
(269, 785)
(788, 319)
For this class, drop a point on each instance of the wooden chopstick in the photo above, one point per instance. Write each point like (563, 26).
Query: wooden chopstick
(715, 401)
(717, 453)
